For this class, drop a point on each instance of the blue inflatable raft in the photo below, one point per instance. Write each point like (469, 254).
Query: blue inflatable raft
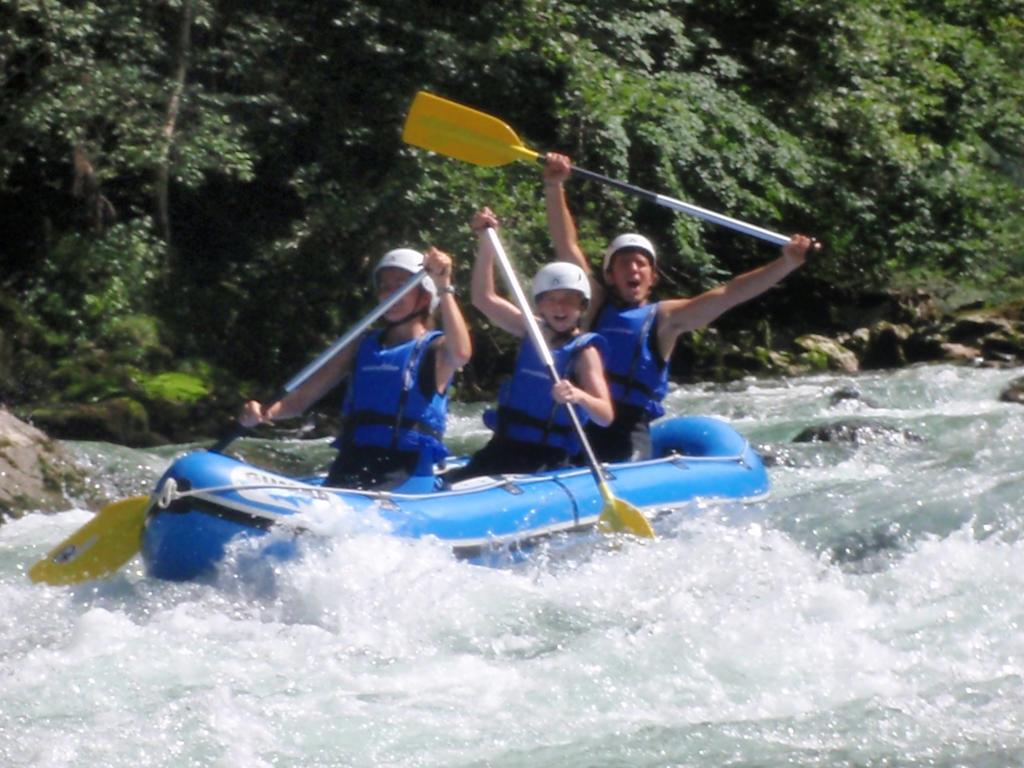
(205, 499)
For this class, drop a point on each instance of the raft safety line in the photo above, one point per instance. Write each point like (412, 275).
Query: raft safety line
(169, 492)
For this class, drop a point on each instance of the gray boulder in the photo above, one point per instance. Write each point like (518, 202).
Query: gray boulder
(1014, 392)
(836, 356)
(857, 432)
(35, 472)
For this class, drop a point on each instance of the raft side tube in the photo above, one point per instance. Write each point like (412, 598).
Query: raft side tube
(696, 436)
(696, 458)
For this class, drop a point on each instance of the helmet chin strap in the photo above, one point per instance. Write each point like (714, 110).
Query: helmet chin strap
(389, 324)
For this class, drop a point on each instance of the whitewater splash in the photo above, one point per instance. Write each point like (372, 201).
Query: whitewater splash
(868, 614)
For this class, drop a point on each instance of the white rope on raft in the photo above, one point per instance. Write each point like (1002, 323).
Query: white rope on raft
(169, 492)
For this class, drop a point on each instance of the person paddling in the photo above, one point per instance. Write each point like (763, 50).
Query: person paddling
(532, 428)
(642, 335)
(395, 408)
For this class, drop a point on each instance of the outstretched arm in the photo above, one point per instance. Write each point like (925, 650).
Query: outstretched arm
(562, 227)
(298, 400)
(676, 316)
(500, 311)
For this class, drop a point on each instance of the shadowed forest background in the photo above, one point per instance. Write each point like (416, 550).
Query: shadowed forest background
(193, 192)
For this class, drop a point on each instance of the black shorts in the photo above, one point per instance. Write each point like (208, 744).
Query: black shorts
(365, 467)
(621, 440)
(502, 456)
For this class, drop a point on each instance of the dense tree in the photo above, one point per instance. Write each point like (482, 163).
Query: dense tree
(224, 173)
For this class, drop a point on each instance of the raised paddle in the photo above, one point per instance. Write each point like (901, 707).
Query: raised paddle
(114, 535)
(464, 133)
(616, 515)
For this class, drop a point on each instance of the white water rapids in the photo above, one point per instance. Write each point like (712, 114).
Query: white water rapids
(870, 613)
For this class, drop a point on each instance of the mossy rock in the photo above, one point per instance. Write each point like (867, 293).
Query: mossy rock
(742, 363)
(777, 363)
(120, 420)
(174, 387)
(814, 359)
(821, 350)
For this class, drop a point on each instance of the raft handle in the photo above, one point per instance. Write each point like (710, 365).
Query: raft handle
(509, 487)
(678, 461)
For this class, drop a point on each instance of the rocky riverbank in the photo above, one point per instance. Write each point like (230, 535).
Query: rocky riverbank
(35, 471)
(900, 331)
(975, 338)
(910, 331)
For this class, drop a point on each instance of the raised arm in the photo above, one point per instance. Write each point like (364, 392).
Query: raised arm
(455, 346)
(562, 227)
(500, 311)
(676, 316)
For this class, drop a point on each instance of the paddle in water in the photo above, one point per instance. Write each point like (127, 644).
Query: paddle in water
(464, 133)
(98, 548)
(616, 515)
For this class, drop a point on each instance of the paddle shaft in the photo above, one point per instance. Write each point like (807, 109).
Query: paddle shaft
(300, 378)
(678, 205)
(381, 310)
(670, 202)
(467, 134)
(542, 349)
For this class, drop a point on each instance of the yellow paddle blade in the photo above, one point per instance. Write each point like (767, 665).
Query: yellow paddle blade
(461, 132)
(98, 548)
(619, 516)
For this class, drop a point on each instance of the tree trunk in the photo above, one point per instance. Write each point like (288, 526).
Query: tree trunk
(163, 174)
(97, 209)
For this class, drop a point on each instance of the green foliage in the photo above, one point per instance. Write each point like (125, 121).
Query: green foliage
(175, 387)
(101, 75)
(89, 283)
(912, 131)
(137, 335)
(893, 130)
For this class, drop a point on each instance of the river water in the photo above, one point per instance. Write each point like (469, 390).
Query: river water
(870, 613)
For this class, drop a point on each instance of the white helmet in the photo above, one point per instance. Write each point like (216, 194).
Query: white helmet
(632, 242)
(412, 262)
(561, 275)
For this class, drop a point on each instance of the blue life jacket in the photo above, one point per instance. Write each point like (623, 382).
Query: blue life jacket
(526, 410)
(385, 408)
(637, 377)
